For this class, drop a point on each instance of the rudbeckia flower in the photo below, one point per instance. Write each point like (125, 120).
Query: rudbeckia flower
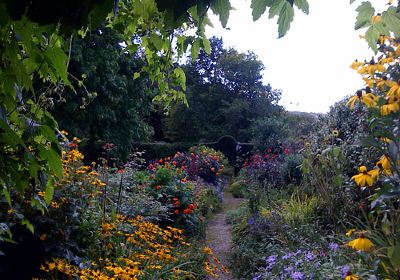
(391, 107)
(384, 164)
(335, 133)
(376, 19)
(384, 82)
(351, 276)
(394, 90)
(366, 177)
(361, 244)
(356, 64)
(352, 101)
(369, 99)
(350, 232)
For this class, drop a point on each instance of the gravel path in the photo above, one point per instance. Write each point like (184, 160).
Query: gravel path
(219, 237)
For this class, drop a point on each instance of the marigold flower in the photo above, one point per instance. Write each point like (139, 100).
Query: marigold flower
(366, 177)
(361, 244)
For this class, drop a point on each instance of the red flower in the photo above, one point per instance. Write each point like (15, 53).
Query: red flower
(286, 151)
(158, 187)
(269, 150)
(176, 211)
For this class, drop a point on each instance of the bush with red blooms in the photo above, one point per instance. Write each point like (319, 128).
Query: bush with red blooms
(201, 162)
(170, 180)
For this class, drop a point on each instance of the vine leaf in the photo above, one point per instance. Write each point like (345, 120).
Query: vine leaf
(302, 5)
(276, 8)
(285, 18)
(373, 33)
(49, 193)
(222, 9)
(391, 20)
(258, 8)
(365, 13)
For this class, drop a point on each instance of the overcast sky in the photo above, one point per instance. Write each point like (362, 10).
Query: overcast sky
(311, 63)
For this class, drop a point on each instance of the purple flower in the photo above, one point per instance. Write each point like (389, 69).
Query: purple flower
(289, 269)
(310, 256)
(334, 246)
(297, 275)
(287, 256)
(298, 252)
(343, 270)
(271, 259)
(256, 277)
(298, 262)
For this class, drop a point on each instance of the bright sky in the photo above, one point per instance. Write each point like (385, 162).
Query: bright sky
(311, 62)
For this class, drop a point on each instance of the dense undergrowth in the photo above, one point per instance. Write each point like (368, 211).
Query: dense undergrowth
(328, 209)
(137, 221)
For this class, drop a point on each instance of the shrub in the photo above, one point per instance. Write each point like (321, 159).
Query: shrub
(298, 211)
(238, 189)
(292, 169)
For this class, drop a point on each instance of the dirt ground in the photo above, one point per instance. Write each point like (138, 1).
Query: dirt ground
(219, 237)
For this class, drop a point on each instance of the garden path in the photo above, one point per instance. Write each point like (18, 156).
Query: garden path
(219, 236)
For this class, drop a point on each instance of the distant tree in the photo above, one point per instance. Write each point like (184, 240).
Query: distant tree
(225, 93)
(112, 106)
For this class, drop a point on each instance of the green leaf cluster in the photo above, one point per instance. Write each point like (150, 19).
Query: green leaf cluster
(282, 8)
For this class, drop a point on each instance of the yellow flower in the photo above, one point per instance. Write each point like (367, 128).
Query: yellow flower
(361, 244)
(335, 133)
(350, 232)
(351, 276)
(369, 99)
(98, 183)
(394, 90)
(389, 108)
(366, 177)
(352, 101)
(376, 19)
(54, 205)
(356, 64)
(384, 164)
(384, 82)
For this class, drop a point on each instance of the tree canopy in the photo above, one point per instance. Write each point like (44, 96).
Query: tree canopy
(225, 94)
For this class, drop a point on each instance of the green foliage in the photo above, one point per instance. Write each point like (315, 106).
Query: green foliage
(238, 189)
(386, 23)
(292, 169)
(268, 132)
(281, 8)
(225, 94)
(154, 151)
(299, 210)
(208, 202)
(108, 106)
